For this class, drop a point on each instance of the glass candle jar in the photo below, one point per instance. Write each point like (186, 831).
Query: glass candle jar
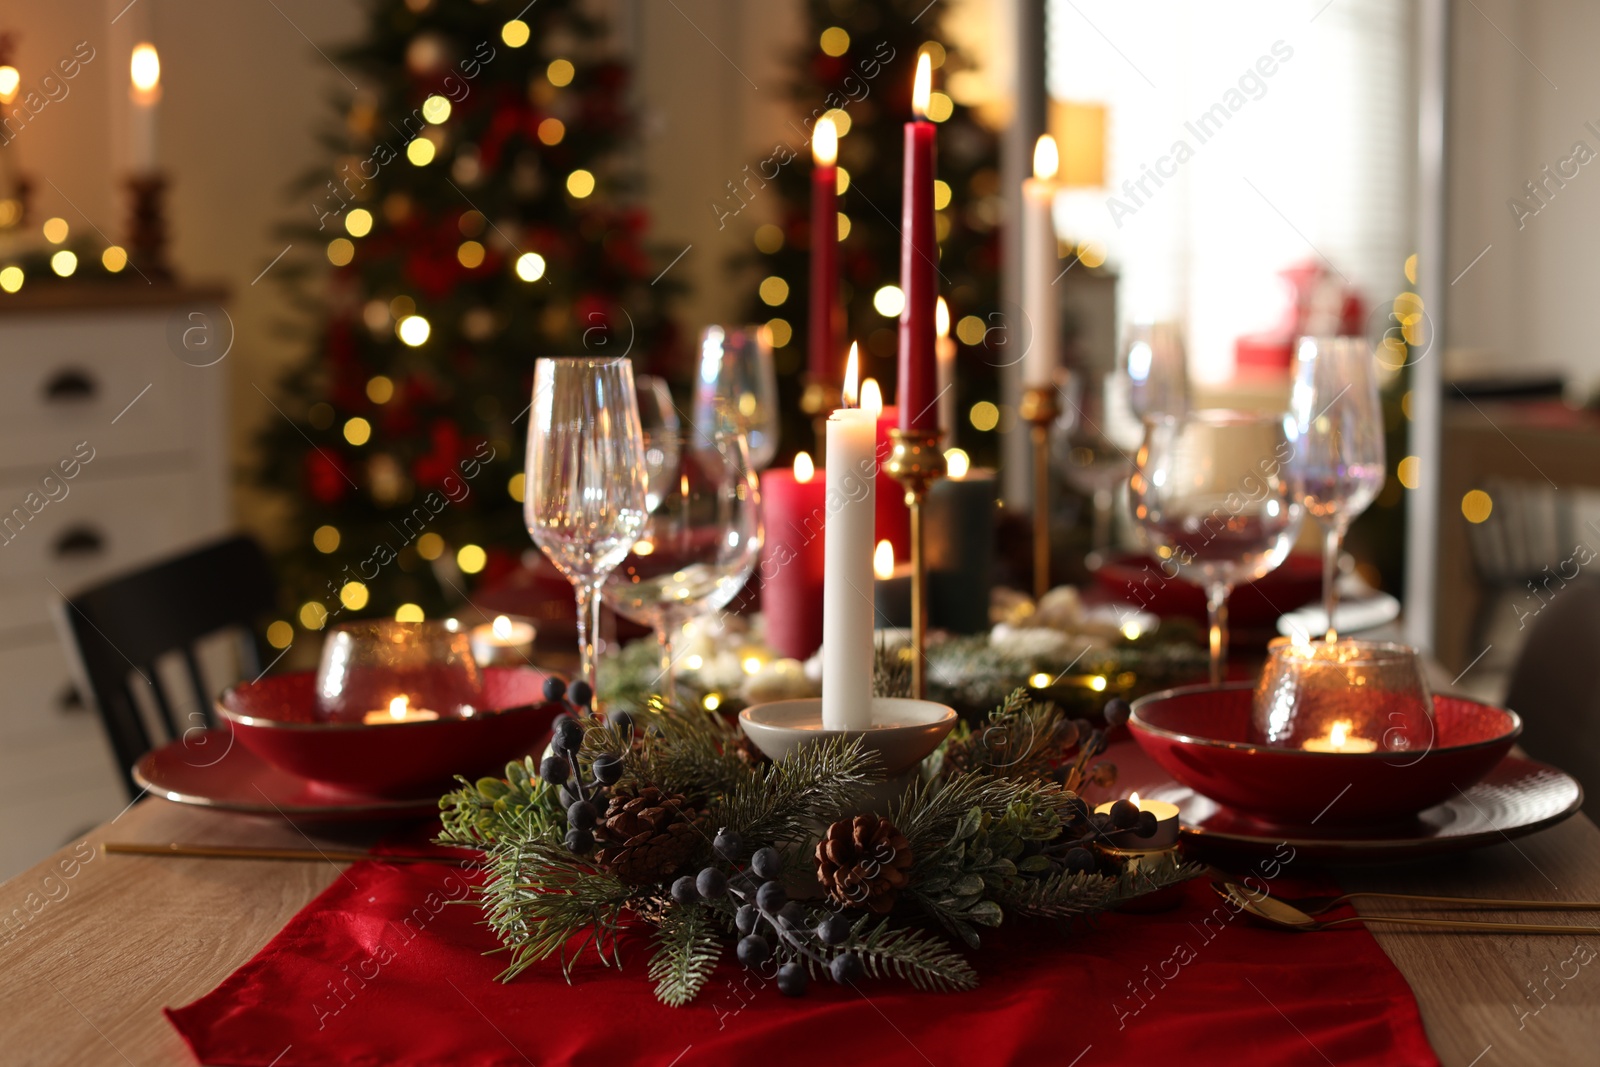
(1342, 697)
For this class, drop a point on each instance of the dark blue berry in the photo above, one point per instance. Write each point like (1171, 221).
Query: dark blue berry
(729, 845)
(581, 692)
(792, 980)
(684, 892)
(746, 918)
(580, 841)
(1077, 810)
(553, 769)
(846, 967)
(569, 732)
(1116, 712)
(1146, 826)
(712, 884)
(1067, 733)
(767, 863)
(620, 721)
(554, 688)
(582, 816)
(1100, 822)
(1079, 860)
(1125, 815)
(793, 913)
(607, 768)
(753, 950)
(834, 930)
(770, 897)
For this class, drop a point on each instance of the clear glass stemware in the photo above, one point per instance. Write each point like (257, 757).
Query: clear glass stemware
(736, 387)
(700, 542)
(1215, 498)
(1337, 435)
(586, 478)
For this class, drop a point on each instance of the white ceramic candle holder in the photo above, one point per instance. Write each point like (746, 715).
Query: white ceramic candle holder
(903, 734)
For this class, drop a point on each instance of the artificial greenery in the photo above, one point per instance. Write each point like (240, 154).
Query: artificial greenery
(994, 833)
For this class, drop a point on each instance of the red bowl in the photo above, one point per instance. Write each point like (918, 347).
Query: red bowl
(276, 718)
(1201, 736)
(1138, 579)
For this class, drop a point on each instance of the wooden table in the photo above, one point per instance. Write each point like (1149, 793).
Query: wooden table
(85, 977)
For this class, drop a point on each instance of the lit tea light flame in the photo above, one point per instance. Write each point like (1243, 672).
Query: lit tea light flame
(501, 627)
(1339, 740)
(398, 707)
(957, 463)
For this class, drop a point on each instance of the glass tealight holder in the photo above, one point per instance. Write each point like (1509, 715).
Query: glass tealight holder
(381, 672)
(1347, 697)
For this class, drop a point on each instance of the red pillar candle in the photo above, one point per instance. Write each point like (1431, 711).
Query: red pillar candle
(893, 518)
(919, 266)
(794, 504)
(825, 310)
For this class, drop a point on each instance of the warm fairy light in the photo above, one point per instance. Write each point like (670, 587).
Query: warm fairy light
(825, 142)
(409, 613)
(957, 463)
(1098, 683)
(56, 230)
(883, 560)
(10, 81)
(1039, 681)
(1132, 630)
(804, 469)
(871, 398)
(922, 88)
(64, 263)
(1046, 159)
(941, 318)
(852, 376)
(501, 627)
(413, 330)
(752, 665)
(145, 69)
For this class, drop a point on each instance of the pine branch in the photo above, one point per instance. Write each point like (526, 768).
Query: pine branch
(785, 803)
(908, 953)
(538, 897)
(688, 953)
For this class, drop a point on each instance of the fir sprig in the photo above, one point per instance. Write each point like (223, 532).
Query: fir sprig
(687, 953)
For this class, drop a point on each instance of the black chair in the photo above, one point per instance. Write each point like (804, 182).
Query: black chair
(116, 632)
(1556, 686)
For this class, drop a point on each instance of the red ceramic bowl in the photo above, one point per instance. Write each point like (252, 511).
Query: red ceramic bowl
(1201, 736)
(1138, 579)
(276, 719)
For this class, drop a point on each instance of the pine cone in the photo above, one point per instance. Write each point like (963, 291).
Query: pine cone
(862, 862)
(646, 835)
(747, 751)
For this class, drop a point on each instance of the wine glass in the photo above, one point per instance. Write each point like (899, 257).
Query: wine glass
(656, 409)
(1157, 369)
(1214, 496)
(737, 387)
(701, 539)
(1090, 460)
(586, 477)
(1337, 436)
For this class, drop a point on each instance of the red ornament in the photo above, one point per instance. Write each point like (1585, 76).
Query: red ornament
(327, 480)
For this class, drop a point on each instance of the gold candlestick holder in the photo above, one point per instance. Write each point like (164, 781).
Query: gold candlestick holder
(916, 463)
(1039, 409)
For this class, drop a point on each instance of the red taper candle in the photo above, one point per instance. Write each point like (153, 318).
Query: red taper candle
(825, 321)
(919, 266)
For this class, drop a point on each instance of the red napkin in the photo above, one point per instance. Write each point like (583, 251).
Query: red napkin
(387, 967)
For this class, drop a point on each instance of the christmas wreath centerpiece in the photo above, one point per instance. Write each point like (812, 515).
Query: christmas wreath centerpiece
(661, 816)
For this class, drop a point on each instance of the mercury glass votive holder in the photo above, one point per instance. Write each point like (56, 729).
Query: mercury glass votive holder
(1349, 697)
(380, 671)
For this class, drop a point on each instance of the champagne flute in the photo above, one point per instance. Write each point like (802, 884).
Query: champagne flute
(736, 386)
(586, 478)
(1215, 498)
(1338, 441)
(701, 540)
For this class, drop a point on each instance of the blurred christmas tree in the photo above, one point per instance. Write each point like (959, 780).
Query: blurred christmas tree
(474, 209)
(857, 65)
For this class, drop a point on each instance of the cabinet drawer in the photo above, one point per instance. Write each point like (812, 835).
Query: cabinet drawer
(33, 680)
(64, 379)
(100, 528)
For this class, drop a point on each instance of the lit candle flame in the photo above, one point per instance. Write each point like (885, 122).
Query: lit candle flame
(871, 398)
(941, 318)
(804, 469)
(825, 142)
(852, 376)
(10, 81)
(922, 88)
(957, 463)
(883, 560)
(399, 707)
(1339, 733)
(1133, 798)
(145, 68)
(501, 627)
(683, 486)
(1046, 160)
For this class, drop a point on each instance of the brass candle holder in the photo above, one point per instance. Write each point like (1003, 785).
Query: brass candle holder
(1039, 409)
(916, 463)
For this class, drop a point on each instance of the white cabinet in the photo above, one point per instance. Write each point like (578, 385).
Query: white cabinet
(112, 455)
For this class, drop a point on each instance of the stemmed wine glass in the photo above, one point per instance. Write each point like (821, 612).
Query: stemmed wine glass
(1090, 461)
(736, 386)
(701, 540)
(1214, 496)
(586, 478)
(1157, 369)
(1337, 436)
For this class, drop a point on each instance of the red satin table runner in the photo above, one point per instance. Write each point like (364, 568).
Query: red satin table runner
(388, 967)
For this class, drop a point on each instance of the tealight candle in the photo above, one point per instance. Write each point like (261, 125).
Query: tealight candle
(1167, 826)
(1339, 740)
(399, 710)
(506, 641)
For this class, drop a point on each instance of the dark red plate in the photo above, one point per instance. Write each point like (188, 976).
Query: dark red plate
(209, 769)
(1138, 579)
(276, 719)
(1201, 736)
